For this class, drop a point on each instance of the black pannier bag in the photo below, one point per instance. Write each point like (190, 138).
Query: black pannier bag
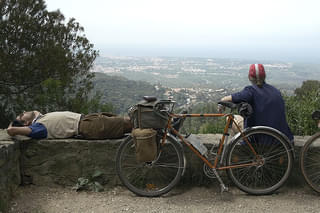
(148, 115)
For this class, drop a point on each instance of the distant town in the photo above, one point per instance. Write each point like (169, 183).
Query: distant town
(195, 80)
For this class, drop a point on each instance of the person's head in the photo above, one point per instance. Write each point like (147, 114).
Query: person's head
(25, 118)
(257, 75)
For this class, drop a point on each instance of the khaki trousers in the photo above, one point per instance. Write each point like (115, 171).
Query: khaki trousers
(103, 125)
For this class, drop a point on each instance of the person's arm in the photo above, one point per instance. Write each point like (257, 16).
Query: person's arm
(244, 95)
(12, 131)
(36, 131)
(227, 98)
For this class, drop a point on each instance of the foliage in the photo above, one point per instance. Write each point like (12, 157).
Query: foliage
(44, 62)
(300, 106)
(307, 87)
(91, 183)
(123, 93)
(204, 125)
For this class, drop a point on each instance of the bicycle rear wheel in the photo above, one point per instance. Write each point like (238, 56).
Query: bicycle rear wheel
(310, 162)
(150, 179)
(274, 161)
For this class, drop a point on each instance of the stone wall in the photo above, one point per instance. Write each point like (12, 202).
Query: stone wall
(9, 169)
(62, 162)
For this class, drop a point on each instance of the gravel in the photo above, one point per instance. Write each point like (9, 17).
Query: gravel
(33, 199)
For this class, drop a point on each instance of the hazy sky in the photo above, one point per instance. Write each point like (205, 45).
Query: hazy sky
(268, 29)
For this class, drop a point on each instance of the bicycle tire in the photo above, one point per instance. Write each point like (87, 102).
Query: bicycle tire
(310, 162)
(275, 167)
(150, 179)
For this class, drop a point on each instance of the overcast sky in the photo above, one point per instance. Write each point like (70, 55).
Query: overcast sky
(268, 29)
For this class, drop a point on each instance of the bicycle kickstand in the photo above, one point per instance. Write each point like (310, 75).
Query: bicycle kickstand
(224, 188)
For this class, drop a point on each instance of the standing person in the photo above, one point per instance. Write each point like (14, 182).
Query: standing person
(67, 124)
(266, 101)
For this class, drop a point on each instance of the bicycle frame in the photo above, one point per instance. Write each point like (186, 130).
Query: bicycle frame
(223, 140)
(254, 167)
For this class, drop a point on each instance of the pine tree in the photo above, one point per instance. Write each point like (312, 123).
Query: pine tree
(44, 61)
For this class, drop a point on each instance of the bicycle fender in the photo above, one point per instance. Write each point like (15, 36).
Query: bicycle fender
(174, 138)
(280, 134)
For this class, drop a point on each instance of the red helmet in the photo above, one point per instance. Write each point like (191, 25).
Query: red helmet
(256, 72)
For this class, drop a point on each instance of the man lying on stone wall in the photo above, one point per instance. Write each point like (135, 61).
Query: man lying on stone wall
(69, 124)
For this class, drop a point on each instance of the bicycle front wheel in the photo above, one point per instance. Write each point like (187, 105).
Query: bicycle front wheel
(154, 178)
(273, 161)
(310, 162)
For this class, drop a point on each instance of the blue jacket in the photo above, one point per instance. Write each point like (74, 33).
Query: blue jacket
(268, 107)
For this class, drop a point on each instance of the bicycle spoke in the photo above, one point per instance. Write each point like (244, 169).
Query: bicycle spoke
(273, 159)
(150, 178)
(274, 155)
(315, 164)
(266, 177)
(244, 175)
(133, 172)
(128, 166)
(313, 157)
(168, 165)
(315, 173)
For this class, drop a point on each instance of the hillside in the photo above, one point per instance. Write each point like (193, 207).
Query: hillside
(121, 92)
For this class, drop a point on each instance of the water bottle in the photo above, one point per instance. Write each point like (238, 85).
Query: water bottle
(195, 142)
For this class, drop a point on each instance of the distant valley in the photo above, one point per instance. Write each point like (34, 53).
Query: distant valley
(188, 80)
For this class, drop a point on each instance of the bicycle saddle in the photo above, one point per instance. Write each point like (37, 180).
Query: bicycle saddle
(149, 98)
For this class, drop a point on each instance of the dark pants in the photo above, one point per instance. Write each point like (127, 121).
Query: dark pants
(103, 126)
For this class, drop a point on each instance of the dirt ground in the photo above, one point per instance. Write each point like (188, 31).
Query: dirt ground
(32, 199)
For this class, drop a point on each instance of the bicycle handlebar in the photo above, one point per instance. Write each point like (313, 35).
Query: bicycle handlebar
(228, 104)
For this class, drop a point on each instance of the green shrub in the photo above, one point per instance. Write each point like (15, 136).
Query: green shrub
(299, 108)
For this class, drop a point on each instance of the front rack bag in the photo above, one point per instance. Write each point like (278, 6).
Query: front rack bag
(148, 115)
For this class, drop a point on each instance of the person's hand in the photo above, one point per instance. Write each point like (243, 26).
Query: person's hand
(226, 98)
(221, 108)
(9, 131)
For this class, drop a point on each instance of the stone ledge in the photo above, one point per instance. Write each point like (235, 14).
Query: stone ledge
(63, 161)
(10, 177)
